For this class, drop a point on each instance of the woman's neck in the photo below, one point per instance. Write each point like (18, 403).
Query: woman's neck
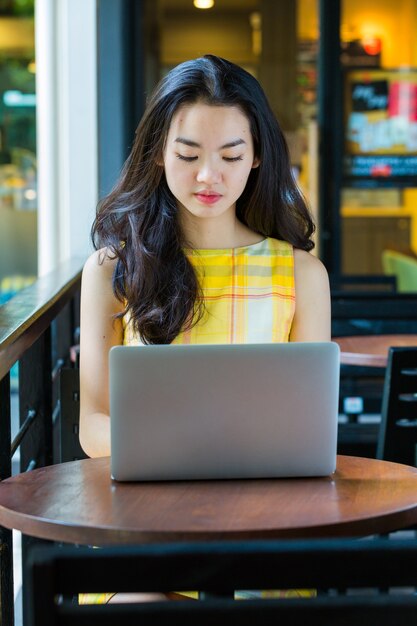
(217, 233)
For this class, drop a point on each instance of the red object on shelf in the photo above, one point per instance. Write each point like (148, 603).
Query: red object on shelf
(381, 169)
(402, 100)
(372, 45)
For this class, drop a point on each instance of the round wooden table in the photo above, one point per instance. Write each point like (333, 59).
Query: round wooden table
(371, 350)
(78, 502)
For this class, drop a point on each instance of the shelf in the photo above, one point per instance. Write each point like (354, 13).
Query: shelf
(377, 212)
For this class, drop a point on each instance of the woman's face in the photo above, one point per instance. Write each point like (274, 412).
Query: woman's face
(208, 157)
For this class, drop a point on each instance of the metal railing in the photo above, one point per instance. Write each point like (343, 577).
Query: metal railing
(36, 330)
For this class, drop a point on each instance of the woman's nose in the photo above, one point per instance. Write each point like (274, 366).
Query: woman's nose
(209, 174)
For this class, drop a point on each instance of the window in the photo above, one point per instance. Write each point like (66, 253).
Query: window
(18, 196)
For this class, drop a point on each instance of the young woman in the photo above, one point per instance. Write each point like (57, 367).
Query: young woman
(204, 239)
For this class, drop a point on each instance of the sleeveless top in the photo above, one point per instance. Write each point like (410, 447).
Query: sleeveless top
(249, 295)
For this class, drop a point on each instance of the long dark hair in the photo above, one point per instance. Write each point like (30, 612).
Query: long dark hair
(137, 221)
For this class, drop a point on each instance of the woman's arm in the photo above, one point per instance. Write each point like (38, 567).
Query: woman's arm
(312, 299)
(99, 332)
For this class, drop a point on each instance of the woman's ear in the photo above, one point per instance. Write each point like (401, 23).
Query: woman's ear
(256, 162)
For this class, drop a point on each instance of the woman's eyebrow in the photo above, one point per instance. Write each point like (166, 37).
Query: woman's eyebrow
(194, 144)
(187, 142)
(232, 144)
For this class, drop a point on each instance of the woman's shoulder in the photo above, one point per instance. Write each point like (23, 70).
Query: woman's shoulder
(101, 263)
(312, 297)
(309, 269)
(305, 263)
(97, 276)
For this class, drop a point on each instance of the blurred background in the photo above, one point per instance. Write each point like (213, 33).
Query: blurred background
(339, 75)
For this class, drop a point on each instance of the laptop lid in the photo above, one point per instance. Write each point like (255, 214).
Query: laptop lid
(185, 412)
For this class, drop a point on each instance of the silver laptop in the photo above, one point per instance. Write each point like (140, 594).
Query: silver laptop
(186, 412)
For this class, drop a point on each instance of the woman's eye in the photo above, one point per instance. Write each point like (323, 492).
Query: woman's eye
(186, 158)
(232, 159)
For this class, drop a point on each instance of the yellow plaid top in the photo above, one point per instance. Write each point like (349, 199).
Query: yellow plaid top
(249, 295)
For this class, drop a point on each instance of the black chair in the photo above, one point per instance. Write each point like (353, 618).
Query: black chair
(361, 313)
(68, 436)
(364, 283)
(218, 569)
(367, 313)
(398, 433)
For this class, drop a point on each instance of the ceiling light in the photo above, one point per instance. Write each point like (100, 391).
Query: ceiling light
(203, 4)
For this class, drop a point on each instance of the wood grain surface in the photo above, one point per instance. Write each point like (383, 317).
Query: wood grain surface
(27, 315)
(371, 350)
(78, 502)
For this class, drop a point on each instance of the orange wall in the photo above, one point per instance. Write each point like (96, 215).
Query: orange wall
(307, 19)
(393, 21)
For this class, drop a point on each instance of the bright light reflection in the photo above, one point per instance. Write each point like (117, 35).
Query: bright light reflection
(203, 4)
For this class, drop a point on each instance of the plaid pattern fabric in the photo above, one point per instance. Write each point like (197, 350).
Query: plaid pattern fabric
(103, 598)
(94, 598)
(249, 295)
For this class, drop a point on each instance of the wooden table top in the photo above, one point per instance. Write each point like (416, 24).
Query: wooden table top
(371, 350)
(78, 502)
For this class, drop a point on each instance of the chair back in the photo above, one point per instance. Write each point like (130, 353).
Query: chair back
(219, 569)
(373, 313)
(368, 313)
(403, 267)
(398, 432)
(69, 435)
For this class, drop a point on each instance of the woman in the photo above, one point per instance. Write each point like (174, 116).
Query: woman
(204, 239)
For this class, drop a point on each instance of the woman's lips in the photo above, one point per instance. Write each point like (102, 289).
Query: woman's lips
(207, 198)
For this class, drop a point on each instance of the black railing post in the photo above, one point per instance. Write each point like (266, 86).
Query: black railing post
(35, 394)
(25, 336)
(36, 449)
(6, 541)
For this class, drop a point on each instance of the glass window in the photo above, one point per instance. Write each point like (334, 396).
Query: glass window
(379, 198)
(276, 41)
(18, 198)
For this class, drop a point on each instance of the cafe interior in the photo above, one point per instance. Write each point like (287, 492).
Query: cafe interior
(341, 78)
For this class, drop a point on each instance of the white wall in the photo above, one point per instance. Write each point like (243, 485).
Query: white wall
(66, 64)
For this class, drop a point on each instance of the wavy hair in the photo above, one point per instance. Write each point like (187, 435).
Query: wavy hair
(137, 222)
